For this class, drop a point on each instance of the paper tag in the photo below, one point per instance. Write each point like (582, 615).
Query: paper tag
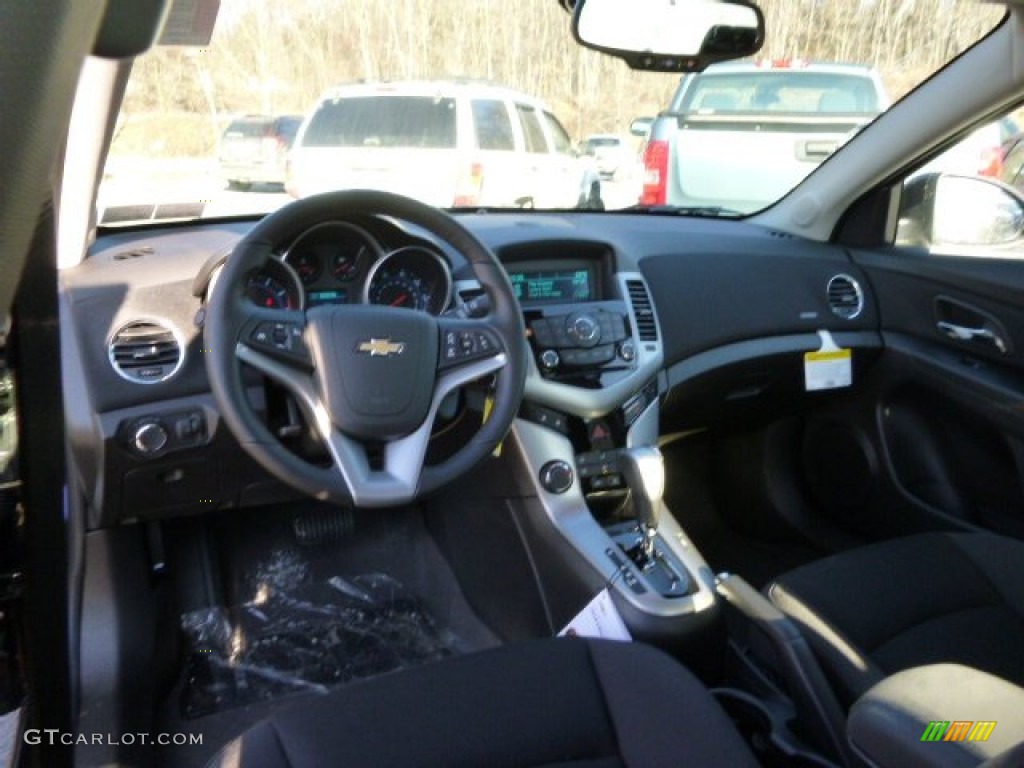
(488, 409)
(829, 368)
(600, 618)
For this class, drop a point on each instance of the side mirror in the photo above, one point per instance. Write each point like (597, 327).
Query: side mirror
(670, 35)
(641, 126)
(939, 209)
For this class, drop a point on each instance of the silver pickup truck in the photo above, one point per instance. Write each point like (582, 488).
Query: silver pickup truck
(737, 136)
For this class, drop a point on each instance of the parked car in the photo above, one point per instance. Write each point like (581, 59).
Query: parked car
(615, 154)
(370, 482)
(771, 123)
(448, 143)
(253, 149)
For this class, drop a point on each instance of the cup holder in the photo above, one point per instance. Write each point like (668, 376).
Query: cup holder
(767, 732)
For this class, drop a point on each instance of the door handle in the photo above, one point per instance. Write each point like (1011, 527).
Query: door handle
(963, 333)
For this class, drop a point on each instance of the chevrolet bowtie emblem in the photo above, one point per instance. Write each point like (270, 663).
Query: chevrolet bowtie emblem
(380, 347)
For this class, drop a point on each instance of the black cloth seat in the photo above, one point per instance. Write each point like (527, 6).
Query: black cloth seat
(585, 703)
(925, 599)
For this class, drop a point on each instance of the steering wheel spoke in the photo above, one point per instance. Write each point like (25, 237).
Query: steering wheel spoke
(394, 481)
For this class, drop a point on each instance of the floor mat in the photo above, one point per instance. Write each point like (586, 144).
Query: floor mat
(299, 635)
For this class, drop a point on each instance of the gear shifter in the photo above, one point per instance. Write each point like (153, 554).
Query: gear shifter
(644, 471)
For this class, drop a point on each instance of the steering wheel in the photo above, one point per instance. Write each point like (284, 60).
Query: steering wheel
(365, 377)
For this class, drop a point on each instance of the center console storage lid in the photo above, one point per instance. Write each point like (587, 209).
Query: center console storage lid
(941, 715)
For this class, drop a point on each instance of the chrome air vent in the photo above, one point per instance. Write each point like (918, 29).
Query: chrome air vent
(145, 352)
(845, 297)
(646, 327)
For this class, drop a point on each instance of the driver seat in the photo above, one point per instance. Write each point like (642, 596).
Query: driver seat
(555, 702)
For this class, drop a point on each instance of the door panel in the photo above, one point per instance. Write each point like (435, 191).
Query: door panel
(938, 427)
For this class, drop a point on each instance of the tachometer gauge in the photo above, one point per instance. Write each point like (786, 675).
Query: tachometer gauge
(413, 277)
(267, 291)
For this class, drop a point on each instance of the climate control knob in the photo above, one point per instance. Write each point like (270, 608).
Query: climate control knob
(149, 438)
(549, 359)
(627, 351)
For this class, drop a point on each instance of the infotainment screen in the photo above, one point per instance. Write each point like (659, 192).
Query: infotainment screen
(553, 285)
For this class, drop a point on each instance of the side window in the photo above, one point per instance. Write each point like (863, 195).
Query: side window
(968, 200)
(563, 144)
(535, 141)
(493, 125)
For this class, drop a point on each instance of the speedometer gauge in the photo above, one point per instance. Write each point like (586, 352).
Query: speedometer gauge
(412, 277)
(400, 289)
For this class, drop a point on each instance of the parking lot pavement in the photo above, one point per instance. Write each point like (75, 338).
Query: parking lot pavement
(134, 181)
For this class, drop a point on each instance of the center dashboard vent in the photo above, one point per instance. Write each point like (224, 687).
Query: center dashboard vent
(845, 298)
(145, 352)
(643, 311)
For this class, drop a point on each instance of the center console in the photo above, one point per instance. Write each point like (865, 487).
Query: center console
(588, 428)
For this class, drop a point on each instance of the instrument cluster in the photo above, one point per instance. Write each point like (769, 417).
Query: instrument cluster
(341, 263)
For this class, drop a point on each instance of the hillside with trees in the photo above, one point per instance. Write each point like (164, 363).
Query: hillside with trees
(275, 58)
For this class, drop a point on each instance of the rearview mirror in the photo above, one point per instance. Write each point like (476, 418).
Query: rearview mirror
(641, 126)
(670, 35)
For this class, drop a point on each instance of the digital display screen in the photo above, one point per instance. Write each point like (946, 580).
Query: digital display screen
(553, 285)
(316, 298)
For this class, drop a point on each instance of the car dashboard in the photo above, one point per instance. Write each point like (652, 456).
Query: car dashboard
(684, 322)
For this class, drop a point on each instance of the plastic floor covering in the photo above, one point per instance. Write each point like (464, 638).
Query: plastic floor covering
(294, 635)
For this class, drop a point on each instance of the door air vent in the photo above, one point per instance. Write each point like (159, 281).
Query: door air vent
(845, 297)
(646, 327)
(145, 352)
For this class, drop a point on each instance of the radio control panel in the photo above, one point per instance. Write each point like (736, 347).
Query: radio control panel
(570, 341)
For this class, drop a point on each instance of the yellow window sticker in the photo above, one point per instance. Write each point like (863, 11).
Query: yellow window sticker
(829, 367)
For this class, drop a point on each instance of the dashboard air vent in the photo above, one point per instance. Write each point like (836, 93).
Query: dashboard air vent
(133, 253)
(647, 329)
(845, 297)
(145, 352)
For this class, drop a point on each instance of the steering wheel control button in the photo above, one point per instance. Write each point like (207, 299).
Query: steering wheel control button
(556, 476)
(459, 346)
(583, 328)
(283, 340)
(150, 438)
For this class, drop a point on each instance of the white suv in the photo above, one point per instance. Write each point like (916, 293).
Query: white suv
(447, 143)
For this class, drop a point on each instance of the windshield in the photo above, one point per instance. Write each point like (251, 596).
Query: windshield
(486, 104)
